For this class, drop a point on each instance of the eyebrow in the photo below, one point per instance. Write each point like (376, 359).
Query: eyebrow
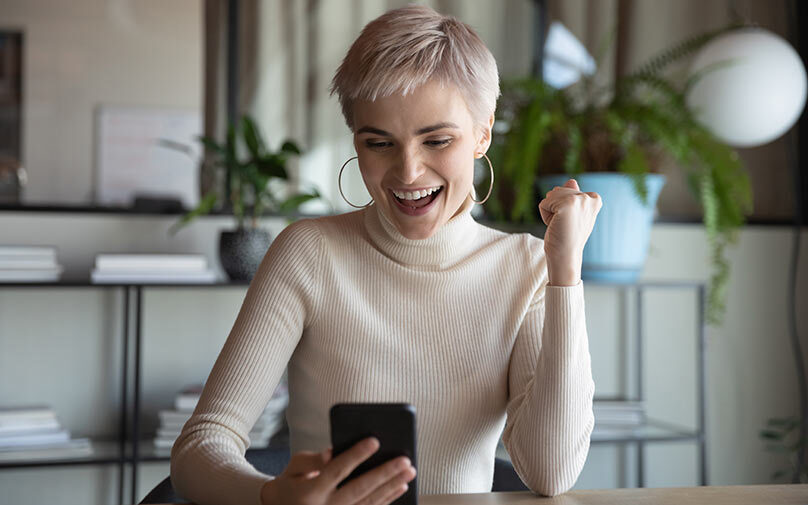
(421, 131)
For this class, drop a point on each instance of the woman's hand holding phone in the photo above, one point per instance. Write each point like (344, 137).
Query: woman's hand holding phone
(311, 478)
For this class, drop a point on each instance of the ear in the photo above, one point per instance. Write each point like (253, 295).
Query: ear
(484, 140)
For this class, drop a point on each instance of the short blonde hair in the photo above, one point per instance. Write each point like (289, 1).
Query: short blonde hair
(405, 47)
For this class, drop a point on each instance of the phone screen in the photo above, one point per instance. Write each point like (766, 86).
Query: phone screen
(393, 424)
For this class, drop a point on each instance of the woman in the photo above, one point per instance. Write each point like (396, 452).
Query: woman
(408, 300)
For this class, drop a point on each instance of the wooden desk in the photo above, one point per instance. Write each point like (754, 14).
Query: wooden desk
(785, 494)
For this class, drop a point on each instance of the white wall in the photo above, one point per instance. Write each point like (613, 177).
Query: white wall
(80, 54)
(61, 346)
(284, 71)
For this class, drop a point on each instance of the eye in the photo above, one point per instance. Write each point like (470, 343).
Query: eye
(377, 144)
(438, 143)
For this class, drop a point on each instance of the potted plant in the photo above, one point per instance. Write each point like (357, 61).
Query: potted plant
(782, 436)
(611, 139)
(250, 194)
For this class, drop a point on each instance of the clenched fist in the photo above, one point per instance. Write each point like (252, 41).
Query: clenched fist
(570, 217)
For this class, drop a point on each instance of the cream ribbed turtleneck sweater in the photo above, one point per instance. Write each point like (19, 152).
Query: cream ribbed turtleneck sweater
(462, 325)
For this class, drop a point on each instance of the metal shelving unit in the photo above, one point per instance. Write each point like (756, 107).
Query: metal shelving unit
(129, 449)
(657, 430)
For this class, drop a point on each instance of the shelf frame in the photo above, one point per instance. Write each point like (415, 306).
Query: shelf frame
(130, 437)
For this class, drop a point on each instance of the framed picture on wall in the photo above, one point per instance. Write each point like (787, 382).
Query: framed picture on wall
(131, 162)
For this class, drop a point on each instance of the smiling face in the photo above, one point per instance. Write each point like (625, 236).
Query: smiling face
(416, 154)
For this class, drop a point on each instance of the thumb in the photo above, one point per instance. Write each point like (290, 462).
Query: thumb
(572, 183)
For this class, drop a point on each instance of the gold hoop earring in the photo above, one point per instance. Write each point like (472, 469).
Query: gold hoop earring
(339, 183)
(491, 169)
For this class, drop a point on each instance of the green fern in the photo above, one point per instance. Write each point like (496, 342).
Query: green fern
(552, 131)
(680, 50)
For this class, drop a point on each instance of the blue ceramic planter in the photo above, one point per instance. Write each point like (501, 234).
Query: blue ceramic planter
(618, 246)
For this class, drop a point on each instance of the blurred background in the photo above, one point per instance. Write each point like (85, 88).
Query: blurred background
(101, 106)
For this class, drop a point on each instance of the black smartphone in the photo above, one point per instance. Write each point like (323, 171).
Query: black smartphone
(393, 424)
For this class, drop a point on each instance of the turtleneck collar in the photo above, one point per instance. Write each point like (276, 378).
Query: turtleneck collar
(452, 242)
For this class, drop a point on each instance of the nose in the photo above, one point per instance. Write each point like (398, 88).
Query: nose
(410, 168)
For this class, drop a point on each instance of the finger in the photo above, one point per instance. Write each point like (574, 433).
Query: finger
(572, 183)
(395, 494)
(377, 484)
(304, 462)
(386, 494)
(546, 215)
(366, 484)
(341, 466)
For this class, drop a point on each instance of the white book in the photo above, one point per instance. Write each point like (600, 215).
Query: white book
(162, 443)
(169, 422)
(45, 425)
(32, 439)
(178, 277)
(27, 263)
(277, 403)
(256, 442)
(24, 414)
(30, 275)
(164, 433)
(173, 417)
(17, 251)
(72, 449)
(149, 262)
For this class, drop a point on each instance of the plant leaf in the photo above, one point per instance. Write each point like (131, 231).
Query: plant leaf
(786, 423)
(272, 165)
(771, 435)
(211, 145)
(295, 201)
(635, 164)
(205, 206)
(252, 136)
(290, 147)
(681, 50)
(177, 146)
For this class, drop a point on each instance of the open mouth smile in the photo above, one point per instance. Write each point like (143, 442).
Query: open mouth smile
(417, 203)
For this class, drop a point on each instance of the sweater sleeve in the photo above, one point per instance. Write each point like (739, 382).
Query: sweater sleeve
(549, 411)
(207, 460)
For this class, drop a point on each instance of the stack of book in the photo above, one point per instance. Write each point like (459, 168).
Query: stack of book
(617, 417)
(269, 422)
(29, 264)
(152, 268)
(35, 433)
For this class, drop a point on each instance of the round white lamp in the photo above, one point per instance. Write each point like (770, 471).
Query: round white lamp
(753, 90)
(754, 94)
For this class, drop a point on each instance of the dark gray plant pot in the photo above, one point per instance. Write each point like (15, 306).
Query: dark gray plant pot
(241, 252)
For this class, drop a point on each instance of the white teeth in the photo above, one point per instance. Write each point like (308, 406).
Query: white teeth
(415, 195)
